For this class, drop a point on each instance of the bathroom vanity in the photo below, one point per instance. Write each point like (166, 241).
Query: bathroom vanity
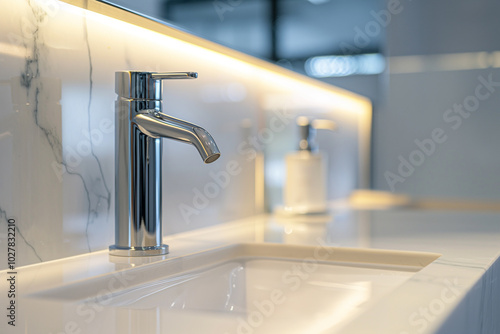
(230, 267)
(404, 271)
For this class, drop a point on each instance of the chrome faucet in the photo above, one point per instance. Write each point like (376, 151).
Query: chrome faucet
(140, 126)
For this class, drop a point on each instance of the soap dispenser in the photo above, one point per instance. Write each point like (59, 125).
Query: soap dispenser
(305, 189)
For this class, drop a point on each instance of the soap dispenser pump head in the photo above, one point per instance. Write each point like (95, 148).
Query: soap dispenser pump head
(307, 131)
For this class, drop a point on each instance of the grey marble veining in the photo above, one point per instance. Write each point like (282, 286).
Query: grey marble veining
(5, 217)
(57, 65)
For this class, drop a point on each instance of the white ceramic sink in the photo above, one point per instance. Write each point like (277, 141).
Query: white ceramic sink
(243, 288)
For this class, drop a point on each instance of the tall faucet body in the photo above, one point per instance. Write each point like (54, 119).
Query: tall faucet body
(139, 129)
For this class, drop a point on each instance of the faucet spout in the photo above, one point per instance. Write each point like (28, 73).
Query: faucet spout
(159, 125)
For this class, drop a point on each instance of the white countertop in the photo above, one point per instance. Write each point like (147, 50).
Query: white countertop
(457, 293)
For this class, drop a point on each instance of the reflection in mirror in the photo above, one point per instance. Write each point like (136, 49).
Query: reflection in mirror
(290, 33)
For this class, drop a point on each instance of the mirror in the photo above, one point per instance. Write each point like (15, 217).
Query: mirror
(287, 32)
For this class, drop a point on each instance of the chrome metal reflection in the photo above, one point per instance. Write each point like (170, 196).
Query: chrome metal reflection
(140, 126)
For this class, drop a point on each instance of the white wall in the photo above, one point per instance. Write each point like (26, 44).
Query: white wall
(57, 86)
(421, 91)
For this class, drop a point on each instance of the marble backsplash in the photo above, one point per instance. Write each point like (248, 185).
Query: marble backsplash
(57, 65)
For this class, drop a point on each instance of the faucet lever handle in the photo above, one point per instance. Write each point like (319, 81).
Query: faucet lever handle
(145, 85)
(174, 75)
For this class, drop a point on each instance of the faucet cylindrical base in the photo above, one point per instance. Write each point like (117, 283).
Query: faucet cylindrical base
(138, 251)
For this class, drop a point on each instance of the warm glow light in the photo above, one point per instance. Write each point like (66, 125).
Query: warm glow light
(257, 72)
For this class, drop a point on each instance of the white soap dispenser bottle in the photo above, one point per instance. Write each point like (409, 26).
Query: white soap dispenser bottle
(305, 189)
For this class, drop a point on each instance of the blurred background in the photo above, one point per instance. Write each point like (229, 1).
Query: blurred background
(431, 69)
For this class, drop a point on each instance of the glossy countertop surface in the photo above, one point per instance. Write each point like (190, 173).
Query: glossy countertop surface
(454, 294)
